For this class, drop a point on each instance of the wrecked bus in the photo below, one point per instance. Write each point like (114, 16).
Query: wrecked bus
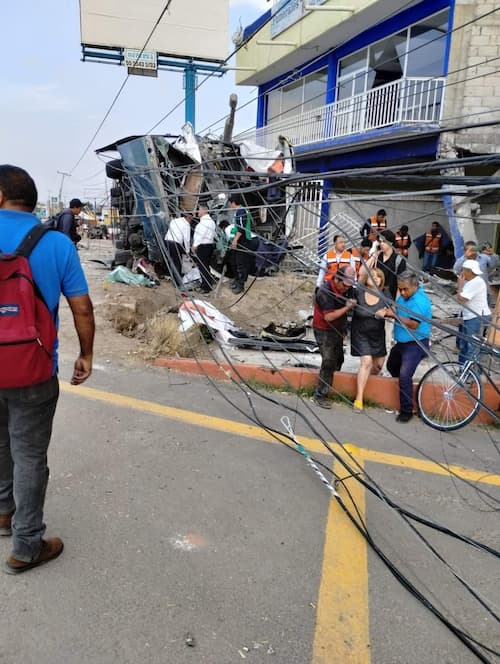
(156, 177)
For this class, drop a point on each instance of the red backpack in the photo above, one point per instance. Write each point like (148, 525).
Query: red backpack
(27, 329)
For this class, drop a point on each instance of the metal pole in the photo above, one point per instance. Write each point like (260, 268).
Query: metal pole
(63, 175)
(190, 87)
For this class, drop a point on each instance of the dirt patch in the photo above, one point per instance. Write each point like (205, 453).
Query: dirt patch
(166, 340)
(278, 299)
(129, 308)
(135, 324)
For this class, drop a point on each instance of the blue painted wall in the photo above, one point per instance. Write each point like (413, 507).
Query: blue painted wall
(416, 148)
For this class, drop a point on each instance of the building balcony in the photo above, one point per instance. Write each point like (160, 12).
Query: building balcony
(404, 102)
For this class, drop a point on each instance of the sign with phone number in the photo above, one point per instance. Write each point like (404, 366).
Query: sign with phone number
(145, 60)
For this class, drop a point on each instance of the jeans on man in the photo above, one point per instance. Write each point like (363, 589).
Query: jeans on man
(469, 327)
(402, 363)
(331, 348)
(429, 262)
(26, 416)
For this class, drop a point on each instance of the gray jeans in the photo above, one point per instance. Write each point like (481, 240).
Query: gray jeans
(26, 416)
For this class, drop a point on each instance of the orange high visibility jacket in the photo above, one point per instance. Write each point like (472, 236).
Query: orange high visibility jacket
(402, 244)
(376, 227)
(346, 259)
(432, 243)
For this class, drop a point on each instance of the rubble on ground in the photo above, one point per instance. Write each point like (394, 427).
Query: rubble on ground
(139, 324)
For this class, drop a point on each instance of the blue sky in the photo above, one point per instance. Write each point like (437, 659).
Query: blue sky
(51, 103)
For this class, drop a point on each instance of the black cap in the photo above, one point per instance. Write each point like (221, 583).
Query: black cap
(75, 203)
(389, 236)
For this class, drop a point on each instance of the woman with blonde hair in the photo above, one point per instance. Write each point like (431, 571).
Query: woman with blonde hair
(368, 330)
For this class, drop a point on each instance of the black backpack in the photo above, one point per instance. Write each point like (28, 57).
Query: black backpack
(53, 222)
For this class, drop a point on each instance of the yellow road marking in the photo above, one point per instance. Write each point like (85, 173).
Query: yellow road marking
(250, 431)
(425, 466)
(342, 625)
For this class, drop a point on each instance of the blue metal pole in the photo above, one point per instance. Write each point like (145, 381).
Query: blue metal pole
(190, 87)
(324, 220)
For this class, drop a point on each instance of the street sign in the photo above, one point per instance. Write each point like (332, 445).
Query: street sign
(145, 60)
(287, 12)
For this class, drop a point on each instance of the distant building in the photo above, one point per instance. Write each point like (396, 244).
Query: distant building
(371, 83)
(41, 211)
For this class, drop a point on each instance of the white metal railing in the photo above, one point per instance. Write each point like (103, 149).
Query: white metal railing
(405, 101)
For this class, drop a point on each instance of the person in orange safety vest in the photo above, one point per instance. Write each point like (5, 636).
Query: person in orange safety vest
(432, 245)
(337, 256)
(374, 225)
(402, 241)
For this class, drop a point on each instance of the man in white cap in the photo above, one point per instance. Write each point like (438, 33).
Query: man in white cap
(473, 294)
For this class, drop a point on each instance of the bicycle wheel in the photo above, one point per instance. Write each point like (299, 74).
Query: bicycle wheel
(447, 397)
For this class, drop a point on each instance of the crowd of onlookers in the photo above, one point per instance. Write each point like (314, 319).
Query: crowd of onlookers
(368, 285)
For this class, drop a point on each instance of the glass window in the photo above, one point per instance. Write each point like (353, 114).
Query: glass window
(387, 59)
(273, 105)
(344, 89)
(291, 98)
(418, 51)
(315, 90)
(427, 46)
(353, 62)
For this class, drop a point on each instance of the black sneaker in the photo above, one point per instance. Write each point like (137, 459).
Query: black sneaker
(323, 402)
(404, 417)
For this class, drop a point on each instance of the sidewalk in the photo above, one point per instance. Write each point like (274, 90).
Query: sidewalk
(275, 369)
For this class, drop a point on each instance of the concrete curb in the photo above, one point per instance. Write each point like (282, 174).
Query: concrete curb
(379, 389)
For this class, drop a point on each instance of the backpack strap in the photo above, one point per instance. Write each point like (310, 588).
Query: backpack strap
(30, 240)
(26, 246)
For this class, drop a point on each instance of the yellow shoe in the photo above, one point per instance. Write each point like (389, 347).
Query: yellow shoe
(358, 406)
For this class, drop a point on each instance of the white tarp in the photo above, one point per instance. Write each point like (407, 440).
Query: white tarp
(187, 143)
(199, 312)
(260, 158)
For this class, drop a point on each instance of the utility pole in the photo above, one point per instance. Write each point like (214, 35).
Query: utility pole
(63, 175)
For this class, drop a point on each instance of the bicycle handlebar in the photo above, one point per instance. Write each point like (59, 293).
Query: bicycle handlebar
(485, 347)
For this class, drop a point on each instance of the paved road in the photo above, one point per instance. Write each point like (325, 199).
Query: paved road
(182, 518)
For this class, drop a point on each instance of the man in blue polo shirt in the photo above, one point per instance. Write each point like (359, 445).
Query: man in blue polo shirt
(26, 413)
(412, 330)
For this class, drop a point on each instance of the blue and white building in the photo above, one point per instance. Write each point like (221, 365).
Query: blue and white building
(372, 83)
